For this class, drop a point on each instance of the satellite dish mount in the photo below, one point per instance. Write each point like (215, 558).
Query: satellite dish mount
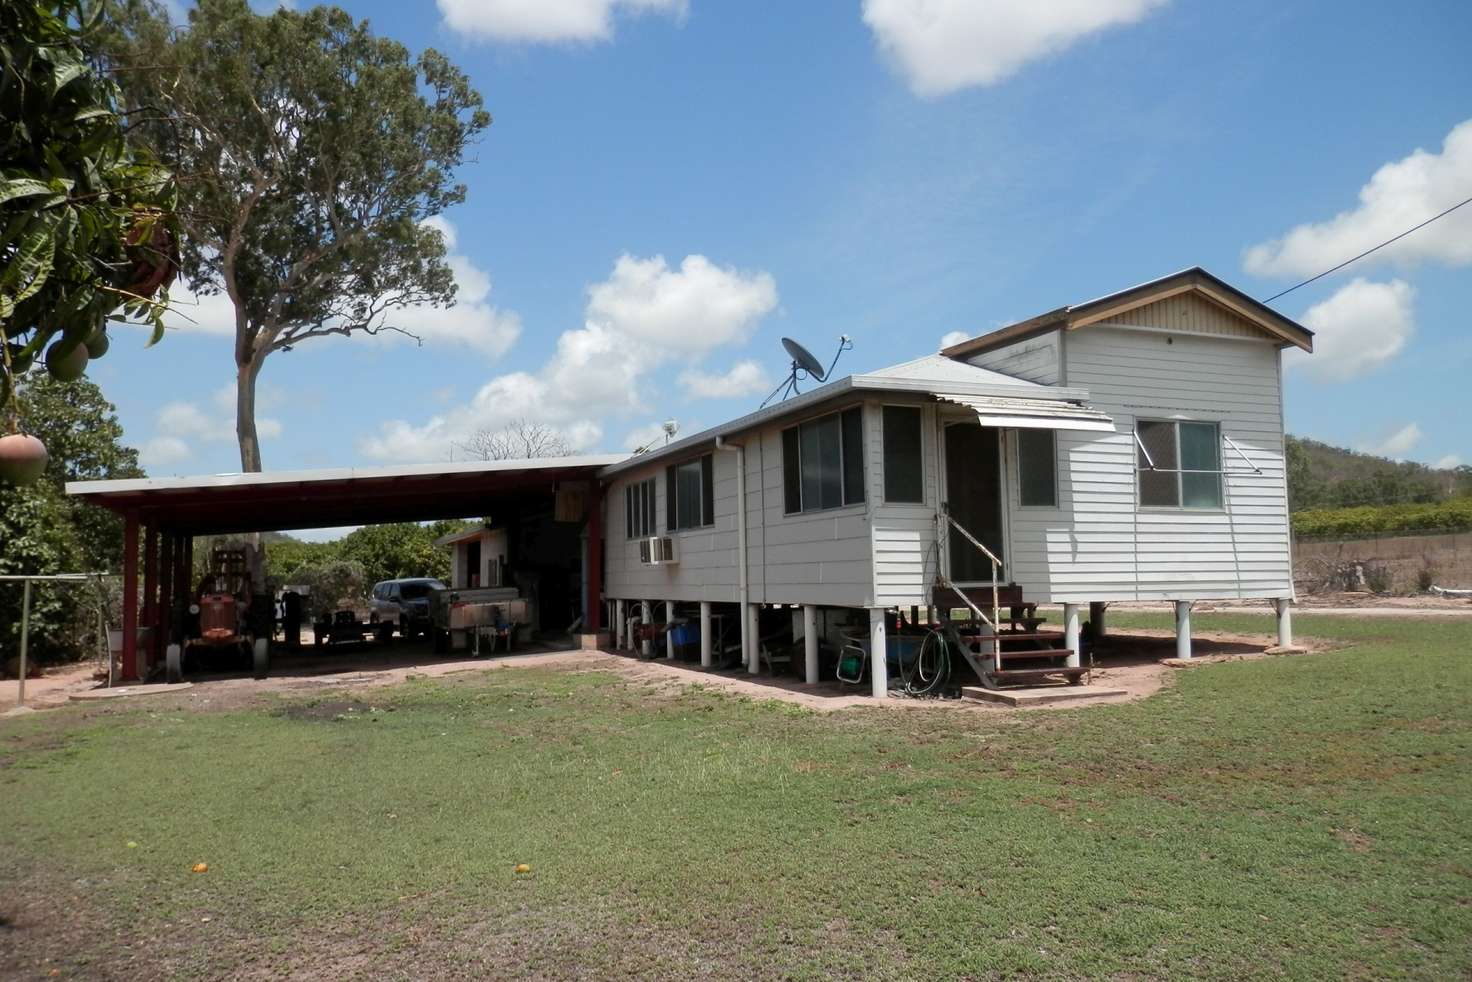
(804, 365)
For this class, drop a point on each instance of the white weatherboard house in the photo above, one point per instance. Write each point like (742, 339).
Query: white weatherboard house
(1128, 448)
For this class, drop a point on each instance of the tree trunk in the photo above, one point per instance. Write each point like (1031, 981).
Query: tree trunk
(245, 413)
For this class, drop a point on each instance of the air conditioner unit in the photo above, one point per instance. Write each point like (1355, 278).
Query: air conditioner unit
(658, 550)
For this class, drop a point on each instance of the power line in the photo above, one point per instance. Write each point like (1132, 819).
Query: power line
(1368, 251)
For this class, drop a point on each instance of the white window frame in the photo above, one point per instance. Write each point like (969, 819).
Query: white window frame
(864, 477)
(1017, 450)
(1180, 505)
(650, 487)
(884, 461)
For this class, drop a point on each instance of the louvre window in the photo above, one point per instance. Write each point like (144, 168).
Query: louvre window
(1178, 464)
(690, 494)
(639, 509)
(823, 462)
(904, 480)
(1037, 468)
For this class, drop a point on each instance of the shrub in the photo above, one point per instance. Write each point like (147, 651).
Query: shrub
(1454, 515)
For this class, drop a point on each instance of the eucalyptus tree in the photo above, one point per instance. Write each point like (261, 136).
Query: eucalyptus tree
(309, 153)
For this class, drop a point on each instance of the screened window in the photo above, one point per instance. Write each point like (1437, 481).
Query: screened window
(823, 462)
(639, 509)
(903, 479)
(1037, 468)
(1178, 464)
(690, 494)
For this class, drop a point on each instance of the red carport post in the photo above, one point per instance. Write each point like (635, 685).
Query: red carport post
(165, 592)
(593, 616)
(130, 597)
(182, 573)
(150, 592)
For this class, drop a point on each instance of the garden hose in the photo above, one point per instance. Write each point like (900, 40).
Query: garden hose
(930, 672)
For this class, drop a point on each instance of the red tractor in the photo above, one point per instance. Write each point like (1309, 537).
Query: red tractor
(225, 618)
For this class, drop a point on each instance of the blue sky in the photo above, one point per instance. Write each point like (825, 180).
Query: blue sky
(669, 187)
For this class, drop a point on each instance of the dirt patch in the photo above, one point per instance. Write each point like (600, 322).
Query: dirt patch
(332, 710)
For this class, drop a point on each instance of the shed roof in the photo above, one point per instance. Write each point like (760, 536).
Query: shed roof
(220, 503)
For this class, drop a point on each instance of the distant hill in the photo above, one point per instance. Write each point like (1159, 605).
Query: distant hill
(1323, 476)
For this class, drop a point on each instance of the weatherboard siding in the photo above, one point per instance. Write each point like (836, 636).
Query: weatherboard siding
(903, 533)
(1098, 544)
(820, 557)
(1036, 359)
(1191, 314)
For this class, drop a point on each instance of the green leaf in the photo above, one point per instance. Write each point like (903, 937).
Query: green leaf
(30, 265)
(66, 73)
(22, 187)
(91, 112)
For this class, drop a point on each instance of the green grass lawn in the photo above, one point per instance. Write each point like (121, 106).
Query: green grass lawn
(1304, 816)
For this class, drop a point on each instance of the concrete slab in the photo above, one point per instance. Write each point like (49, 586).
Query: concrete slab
(1047, 695)
(124, 691)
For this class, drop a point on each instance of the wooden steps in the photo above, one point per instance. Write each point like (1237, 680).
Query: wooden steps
(1032, 675)
(1033, 654)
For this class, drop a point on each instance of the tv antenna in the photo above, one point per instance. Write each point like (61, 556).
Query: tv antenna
(804, 365)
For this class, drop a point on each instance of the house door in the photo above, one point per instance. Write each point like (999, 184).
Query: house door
(974, 498)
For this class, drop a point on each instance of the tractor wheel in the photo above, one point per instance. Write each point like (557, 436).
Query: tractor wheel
(261, 657)
(174, 663)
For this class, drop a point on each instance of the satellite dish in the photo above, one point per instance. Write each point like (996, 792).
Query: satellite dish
(805, 365)
(803, 358)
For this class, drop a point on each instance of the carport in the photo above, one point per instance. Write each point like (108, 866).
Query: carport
(161, 517)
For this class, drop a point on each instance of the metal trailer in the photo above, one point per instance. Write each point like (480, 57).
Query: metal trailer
(464, 619)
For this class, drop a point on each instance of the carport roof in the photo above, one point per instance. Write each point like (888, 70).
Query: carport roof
(281, 500)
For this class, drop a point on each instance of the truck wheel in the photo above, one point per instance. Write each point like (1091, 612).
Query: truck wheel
(441, 641)
(261, 657)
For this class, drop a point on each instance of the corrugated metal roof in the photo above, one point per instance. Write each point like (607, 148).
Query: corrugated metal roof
(1040, 414)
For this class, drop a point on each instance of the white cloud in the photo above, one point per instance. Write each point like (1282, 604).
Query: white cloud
(473, 321)
(1400, 195)
(642, 317)
(954, 337)
(1449, 462)
(745, 378)
(940, 46)
(1357, 330)
(180, 425)
(160, 451)
(547, 21)
(696, 308)
(199, 313)
(1398, 444)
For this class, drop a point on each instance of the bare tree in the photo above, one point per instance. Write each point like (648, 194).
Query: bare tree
(517, 440)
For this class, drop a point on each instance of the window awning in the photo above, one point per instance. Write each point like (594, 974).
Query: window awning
(1032, 414)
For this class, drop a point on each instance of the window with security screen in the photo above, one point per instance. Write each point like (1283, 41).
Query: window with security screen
(1178, 464)
(639, 509)
(823, 462)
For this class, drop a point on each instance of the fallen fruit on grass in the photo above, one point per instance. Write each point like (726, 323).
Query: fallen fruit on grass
(22, 458)
(200, 867)
(523, 868)
(132, 845)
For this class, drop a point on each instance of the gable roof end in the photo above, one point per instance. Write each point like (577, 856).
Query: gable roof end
(1194, 280)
